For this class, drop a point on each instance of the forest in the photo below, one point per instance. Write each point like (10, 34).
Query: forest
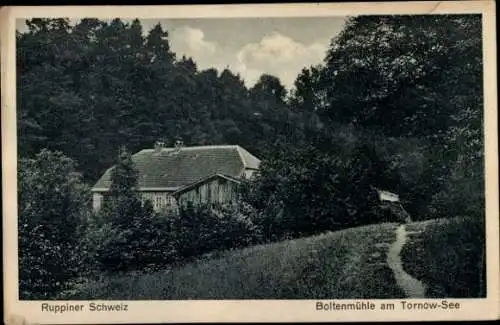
(397, 104)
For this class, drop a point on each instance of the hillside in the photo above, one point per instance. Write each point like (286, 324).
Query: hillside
(343, 264)
(347, 264)
(446, 255)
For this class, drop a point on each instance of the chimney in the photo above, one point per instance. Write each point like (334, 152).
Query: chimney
(159, 145)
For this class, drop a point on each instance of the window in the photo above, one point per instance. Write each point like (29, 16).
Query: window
(158, 202)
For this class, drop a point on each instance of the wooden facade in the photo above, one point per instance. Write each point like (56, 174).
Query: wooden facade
(216, 189)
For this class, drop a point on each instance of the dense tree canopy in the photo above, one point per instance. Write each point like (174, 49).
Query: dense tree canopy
(406, 75)
(90, 88)
(408, 86)
(414, 78)
(397, 105)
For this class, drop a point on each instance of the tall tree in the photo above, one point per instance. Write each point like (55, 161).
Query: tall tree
(125, 239)
(309, 94)
(154, 112)
(53, 204)
(122, 202)
(413, 76)
(269, 88)
(47, 98)
(405, 74)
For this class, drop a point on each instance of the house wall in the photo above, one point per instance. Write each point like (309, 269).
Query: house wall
(216, 191)
(96, 201)
(161, 201)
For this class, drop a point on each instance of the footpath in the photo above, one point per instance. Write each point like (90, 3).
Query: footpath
(412, 287)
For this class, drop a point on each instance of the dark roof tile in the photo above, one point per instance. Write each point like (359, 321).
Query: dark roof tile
(172, 170)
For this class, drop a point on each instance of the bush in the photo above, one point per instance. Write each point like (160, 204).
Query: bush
(153, 241)
(53, 202)
(127, 234)
(144, 244)
(206, 229)
(462, 192)
(448, 255)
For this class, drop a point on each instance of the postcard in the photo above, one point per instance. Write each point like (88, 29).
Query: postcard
(250, 163)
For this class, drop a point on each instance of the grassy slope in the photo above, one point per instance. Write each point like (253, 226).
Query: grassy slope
(446, 256)
(344, 264)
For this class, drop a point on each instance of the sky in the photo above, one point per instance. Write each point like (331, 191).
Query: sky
(250, 46)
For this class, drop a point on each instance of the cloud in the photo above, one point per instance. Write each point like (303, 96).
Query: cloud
(191, 42)
(279, 55)
(274, 54)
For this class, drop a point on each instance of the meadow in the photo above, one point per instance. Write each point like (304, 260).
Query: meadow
(448, 256)
(346, 264)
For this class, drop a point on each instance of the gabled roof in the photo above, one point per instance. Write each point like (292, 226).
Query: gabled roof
(170, 170)
(249, 160)
(205, 180)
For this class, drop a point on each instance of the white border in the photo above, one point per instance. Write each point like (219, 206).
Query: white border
(249, 310)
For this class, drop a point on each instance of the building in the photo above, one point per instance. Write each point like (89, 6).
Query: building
(217, 188)
(186, 175)
(391, 207)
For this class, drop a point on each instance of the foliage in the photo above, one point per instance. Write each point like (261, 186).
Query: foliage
(53, 201)
(329, 266)
(205, 229)
(416, 81)
(407, 75)
(122, 203)
(145, 246)
(304, 191)
(309, 94)
(449, 256)
(105, 84)
(130, 235)
(417, 78)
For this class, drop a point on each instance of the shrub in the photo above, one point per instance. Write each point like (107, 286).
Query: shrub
(53, 202)
(152, 241)
(448, 255)
(145, 244)
(205, 229)
(130, 235)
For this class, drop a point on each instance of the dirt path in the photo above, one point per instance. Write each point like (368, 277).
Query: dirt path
(412, 287)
